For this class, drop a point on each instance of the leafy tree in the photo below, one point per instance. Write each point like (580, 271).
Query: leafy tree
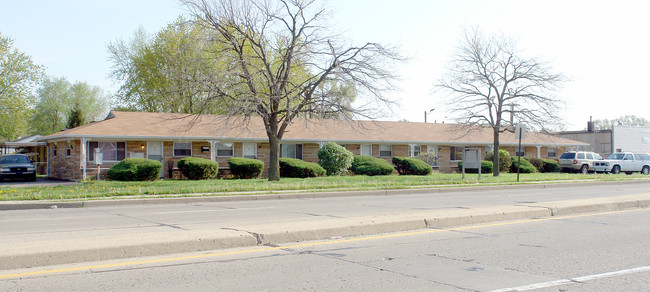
(278, 59)
(488, 80)
(61, 104)
(19, 75)
(167, 72)
(629, 120)
(75, 118)
(52, 106)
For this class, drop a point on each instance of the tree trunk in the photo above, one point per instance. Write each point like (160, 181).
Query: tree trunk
(274, 158)
(495, 160)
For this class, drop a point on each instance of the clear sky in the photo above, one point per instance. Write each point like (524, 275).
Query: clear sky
(602, 46)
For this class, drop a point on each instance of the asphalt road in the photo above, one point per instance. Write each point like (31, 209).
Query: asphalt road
(58, 223)
(589, 252)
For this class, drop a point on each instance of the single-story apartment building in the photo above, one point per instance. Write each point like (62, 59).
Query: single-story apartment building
(170, 137)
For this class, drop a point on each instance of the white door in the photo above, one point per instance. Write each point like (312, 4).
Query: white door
(155, 152)
(250, 150)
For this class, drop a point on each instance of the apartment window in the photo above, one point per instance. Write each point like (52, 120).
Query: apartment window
(291, 150)
(182, 149)
(225, 149)
(385, 150)
(250, 150)
(68, 149)
(456, 153)
(366, 149)
(414, 151)
(112, 151)
(552, 152)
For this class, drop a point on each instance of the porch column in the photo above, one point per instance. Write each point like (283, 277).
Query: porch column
(213, 150)
(411, 150)
(539, 151)
(82, 153)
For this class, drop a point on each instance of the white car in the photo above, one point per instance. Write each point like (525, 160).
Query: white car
(624, 162)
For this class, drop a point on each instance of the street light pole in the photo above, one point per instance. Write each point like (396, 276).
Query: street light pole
(425, 114)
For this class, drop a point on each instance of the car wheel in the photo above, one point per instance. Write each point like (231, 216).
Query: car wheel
(584, 169)
(616, 169)
(645, 170)
(32, 178)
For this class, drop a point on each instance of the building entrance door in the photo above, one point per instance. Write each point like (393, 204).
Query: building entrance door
(155, 152)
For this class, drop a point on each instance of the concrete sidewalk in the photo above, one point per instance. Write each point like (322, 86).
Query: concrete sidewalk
(93, 247)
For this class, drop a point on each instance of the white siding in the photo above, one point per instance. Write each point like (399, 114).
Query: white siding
(633, 139)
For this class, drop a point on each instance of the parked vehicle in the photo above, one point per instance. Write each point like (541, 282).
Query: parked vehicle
(17, 166)
(578, 161)
(624, 162)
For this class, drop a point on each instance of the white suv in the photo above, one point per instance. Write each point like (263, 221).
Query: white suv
(578, 161)
(624, 162)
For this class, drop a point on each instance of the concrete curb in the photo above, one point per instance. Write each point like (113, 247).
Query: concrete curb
(137, 245)
(278, 195)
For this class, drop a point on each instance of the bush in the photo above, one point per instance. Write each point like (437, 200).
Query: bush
(335, 159)
(290, 167)
(504, 160)
(536, 162)
(198, 168)
(135, 169)
(368, 165)
(245, 167)
(486, 167)
(526, 167)
(411, 166)
(550, 165)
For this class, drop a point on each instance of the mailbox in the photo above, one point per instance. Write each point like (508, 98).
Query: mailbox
(99, 157)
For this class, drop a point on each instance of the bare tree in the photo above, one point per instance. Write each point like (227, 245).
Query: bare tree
(490, 85)
(278, 56)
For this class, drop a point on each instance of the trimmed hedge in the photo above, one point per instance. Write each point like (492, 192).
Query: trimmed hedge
(195, 168)
(368, 165)
(526, 167)
(550, 165)
(290, 167)
(411, 166)
(486, 167)
(135, 169)
(335, 159)
(504, 160)
(245, 167)
(538, 163)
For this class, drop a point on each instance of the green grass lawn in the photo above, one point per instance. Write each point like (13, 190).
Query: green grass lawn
(162, 188)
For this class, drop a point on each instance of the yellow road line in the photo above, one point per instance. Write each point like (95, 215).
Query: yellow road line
(427, 231)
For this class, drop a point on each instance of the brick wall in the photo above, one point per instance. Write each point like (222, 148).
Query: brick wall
(68, 167)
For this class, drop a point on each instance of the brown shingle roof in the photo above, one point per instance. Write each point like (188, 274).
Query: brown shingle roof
(164, 126)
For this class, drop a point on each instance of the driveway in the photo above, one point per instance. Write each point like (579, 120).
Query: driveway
(40, 182)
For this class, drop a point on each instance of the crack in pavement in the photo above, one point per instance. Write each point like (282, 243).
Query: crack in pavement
(152, 222)
(258, 237)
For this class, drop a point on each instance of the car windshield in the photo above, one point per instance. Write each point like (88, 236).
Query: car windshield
(14, 159)
(597, 157)
(568, 155)
(616, 156)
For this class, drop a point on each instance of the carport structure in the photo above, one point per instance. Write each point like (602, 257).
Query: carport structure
(31, 147)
